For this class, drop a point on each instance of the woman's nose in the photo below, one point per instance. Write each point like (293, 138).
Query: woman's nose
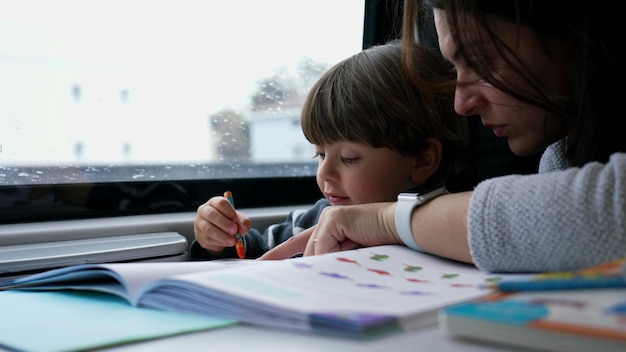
(467, 102)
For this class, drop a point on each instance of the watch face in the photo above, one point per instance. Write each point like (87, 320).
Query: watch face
(404, 209)
(407, 197)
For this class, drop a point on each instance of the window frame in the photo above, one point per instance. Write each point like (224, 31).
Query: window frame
(381, 20)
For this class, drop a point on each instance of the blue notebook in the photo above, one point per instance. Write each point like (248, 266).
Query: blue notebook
(83, 320)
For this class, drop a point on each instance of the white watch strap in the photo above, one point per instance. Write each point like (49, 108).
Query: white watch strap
(404, 209)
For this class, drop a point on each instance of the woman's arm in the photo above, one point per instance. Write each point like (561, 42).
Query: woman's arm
(553, 221)
(439, 227)
(342, 228)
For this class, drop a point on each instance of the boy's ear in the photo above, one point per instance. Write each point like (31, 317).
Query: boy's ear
(427, 163)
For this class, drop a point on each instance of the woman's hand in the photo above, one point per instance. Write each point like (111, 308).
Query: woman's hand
(293, 246)
(216, 224)
(342, 228)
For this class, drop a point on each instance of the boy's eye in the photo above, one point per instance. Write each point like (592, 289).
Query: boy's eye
(349, 160)
(344, 160)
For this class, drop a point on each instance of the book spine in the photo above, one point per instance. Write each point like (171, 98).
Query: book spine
(562, 284)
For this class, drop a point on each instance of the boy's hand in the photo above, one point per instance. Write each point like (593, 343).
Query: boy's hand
(216, 224)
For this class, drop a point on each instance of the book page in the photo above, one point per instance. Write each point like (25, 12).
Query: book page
(352, 286)
(136, 275)
(121, 279)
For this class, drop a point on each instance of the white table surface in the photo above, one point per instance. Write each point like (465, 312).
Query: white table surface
(256, 339)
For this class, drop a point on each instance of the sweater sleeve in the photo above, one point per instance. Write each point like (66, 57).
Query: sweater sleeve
(553, 221)
(297, 221)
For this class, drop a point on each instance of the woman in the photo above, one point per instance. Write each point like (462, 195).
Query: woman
(538, 73)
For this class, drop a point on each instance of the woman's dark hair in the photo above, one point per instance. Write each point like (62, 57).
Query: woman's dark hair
(581, 35)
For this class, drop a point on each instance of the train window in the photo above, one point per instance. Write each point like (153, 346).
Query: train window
(124, 107)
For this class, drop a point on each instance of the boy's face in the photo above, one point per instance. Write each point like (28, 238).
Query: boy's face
(355, 173)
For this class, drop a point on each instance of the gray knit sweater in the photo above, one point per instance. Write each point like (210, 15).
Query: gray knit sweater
(559, 219)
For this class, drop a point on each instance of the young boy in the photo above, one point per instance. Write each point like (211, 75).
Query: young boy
(375, 136)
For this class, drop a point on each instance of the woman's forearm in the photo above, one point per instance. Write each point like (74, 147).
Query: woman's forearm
(440, 226)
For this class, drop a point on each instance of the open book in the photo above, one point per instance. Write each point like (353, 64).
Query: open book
(359, 293)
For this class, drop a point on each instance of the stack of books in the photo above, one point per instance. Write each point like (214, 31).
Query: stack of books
(582, 310)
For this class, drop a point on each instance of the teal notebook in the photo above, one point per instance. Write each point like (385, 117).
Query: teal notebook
(82, 320)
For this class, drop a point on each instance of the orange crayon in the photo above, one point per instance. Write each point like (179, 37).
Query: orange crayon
(241, 249)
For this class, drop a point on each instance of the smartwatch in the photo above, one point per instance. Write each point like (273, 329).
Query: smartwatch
(407, 202)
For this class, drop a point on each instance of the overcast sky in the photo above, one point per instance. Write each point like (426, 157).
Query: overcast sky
(188, 41)
(182, 58)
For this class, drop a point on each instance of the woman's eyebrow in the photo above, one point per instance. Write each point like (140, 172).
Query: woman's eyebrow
(468, 47)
